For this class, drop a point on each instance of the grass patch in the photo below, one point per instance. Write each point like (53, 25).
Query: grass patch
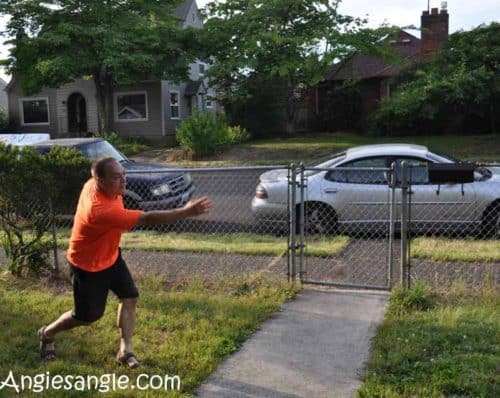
(309, 147)
(446, 249)
(435, 345)
(184, 328)
(242, 243)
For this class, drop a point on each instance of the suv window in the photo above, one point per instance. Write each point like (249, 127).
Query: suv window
(360, 176)
(101, 149)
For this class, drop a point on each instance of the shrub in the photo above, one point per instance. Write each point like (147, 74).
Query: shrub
(203, 133)
(237, 135)
(33, 188)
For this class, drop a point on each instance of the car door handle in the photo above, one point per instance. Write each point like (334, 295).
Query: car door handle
(331, 190)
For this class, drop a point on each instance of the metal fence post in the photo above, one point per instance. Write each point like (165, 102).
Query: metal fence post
(292, 183)
(392, 209)
(302, 271)
(54, 235)
(404, 222)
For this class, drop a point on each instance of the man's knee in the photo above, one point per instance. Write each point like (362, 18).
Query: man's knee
(88, 318)
(129, 302)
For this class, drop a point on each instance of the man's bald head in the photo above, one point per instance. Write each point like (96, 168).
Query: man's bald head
(100, 166)
(110, 176)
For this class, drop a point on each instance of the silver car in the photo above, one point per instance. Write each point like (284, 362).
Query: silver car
(339, 198)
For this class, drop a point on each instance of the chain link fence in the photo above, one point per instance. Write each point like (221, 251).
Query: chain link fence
(362, 227)
(451, 227)
(228, 240)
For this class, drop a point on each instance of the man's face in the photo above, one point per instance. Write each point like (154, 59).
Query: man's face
(113, 183)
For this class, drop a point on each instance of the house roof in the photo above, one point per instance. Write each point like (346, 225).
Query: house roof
(182, 10)
(194, 87)
(360, 66)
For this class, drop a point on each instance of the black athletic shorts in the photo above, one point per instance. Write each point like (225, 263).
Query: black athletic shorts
(90, 289)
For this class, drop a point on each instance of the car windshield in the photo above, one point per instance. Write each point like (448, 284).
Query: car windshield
(101, 149)
(325, 163)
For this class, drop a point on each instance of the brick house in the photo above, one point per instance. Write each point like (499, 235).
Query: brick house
(369, 77)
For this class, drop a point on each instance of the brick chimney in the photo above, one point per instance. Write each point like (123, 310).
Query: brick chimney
(434, 27)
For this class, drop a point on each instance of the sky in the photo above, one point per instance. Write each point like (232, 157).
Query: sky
(464, 14)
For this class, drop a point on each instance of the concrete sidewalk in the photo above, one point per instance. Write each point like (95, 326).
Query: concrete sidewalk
(315, 347)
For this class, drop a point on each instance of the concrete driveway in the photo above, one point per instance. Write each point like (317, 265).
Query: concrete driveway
(315, 347)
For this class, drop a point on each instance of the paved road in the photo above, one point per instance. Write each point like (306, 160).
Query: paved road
(316, 347)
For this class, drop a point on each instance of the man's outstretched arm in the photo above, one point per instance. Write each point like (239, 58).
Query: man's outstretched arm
(191, 209)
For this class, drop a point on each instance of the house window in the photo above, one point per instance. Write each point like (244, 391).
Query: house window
(174, 105)
(208, 102)
(131, 106)
(34, 111)
(201, 69)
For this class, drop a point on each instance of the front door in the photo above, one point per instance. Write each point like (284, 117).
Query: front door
(77, 115)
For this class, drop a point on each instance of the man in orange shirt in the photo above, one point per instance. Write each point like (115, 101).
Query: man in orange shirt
(95, 259)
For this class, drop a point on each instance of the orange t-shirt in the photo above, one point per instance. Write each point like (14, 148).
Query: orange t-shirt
(97, 229)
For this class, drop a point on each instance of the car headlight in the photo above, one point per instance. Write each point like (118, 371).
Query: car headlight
(162, 189)
(260, 192)
(187, 178)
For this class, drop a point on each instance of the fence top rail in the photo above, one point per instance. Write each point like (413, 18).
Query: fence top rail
(347, 169)
(200, 169)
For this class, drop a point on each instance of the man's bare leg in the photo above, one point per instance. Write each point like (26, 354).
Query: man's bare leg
(47, 333)
(126, 322)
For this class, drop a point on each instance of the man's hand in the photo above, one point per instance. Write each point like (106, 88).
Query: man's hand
(198, 207)
(191, 209)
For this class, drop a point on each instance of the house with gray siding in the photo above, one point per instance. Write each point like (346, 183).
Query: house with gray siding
(150, 109)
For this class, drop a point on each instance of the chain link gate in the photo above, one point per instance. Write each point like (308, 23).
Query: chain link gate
(450, 230)
(341, 224)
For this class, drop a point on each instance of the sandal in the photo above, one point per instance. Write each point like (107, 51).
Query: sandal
(128, 359)
(47, 348)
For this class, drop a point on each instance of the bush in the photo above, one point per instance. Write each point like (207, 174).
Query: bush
(33, 188)
(203, 133)
(237, 135)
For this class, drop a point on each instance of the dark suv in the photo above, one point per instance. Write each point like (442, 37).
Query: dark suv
(149, 186)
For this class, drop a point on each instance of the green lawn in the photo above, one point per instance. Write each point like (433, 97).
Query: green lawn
(441, 345)
(241, 243)
(309, 147)
(445, 249)
(184, 328)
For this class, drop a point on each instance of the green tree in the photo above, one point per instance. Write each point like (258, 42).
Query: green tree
(292, 42)
(458, 90)
(111, 42)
